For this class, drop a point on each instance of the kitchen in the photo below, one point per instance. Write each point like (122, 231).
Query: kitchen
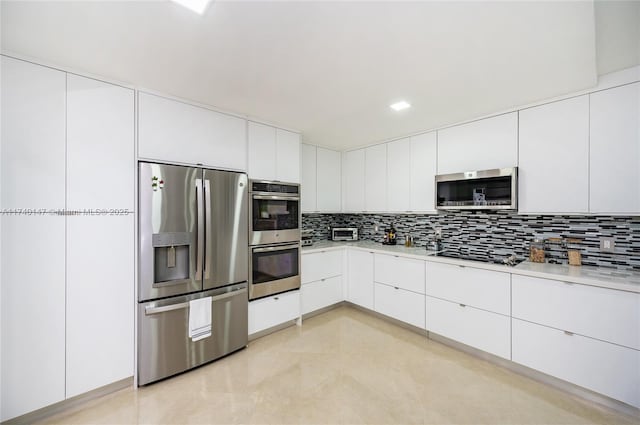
(111, 144)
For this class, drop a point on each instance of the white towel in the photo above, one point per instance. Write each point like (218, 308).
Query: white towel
(200, 319)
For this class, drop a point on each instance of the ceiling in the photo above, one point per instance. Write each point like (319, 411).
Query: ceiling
(331, 69)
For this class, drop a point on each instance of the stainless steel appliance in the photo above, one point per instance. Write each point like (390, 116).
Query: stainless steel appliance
(192, 244)
(495, 189)
(307, 237)
(275, 212)
(344, 234)
(274, 269)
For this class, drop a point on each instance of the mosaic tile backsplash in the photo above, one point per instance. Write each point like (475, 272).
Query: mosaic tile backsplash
(491, 236)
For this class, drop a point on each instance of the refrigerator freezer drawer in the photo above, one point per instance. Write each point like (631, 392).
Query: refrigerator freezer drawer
(164, 346)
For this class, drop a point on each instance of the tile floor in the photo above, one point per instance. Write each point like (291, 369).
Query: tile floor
(343, 367)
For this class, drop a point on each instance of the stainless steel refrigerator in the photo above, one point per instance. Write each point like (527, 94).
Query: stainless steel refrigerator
(193, 237)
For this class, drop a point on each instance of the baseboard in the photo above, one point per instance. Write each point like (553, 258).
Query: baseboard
(69, 403)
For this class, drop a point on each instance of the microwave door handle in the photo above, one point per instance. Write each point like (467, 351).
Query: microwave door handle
(200, 230)
(276, 198)
(209, 238)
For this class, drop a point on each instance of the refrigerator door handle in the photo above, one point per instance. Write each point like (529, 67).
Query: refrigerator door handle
(163, 309)
(200, 218)
(207, 211)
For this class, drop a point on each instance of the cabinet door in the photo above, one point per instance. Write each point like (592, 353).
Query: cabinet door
(405, 306)
(606, 368)
(321, 265)
(405, 273)
(484, 289)
(33, 313)
(480, 145)
(308, 183)
(423, 172)
(287, 156)
(262, 151)
(375, 180)
(554, 157)
(353, 175)
(170, 130)
(360, 283)
(399, 175)
(329, 173)
(100, 307)
(321, 294)
(614, 154)
(100, 145)
(486, 331)
(33, 136)
(272, 311)
(572, 307)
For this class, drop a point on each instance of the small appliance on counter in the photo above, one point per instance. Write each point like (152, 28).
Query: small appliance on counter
(307, 237)
(390, 236)
(344, 234)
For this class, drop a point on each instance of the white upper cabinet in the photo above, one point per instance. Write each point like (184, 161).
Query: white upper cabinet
(274, 154)
(399, 175)
(423, 171)
(287, 156)
(169, 130)
(353, 180)
(480, 145)
(262, 151)
(375, 181)
(308, 182)
(615, 150)
(329, 173)
(100, 145)
(554, 157)
(33, 135)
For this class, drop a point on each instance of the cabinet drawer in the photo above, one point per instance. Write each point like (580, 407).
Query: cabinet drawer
(480, 329)
(321, 293)
(606, 368)
(400, 304)
(479, 288)
(600, 313)
(405, 273)
(321, 265)
(275, 310)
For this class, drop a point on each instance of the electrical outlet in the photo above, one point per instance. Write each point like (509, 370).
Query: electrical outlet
(607, 244)
(438, 232)
(376, 228)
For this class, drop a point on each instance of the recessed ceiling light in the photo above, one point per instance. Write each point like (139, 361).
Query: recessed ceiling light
(198, 6)
(399, 106)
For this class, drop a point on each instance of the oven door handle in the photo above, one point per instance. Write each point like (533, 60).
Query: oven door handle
(276, 197)
(276, 248)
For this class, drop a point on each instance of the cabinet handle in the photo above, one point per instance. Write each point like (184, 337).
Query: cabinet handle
(461, 266)
(322, 280)
(396, 287)
(568, 333)
(568, 283)
(462, 305)
(396, 256)
(276, 298)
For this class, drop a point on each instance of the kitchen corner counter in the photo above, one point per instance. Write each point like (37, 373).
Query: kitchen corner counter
(603, 277)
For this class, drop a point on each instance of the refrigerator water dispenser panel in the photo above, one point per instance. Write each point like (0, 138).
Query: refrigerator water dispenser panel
(171, 255)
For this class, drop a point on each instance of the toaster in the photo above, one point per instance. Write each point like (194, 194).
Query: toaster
(344, 234)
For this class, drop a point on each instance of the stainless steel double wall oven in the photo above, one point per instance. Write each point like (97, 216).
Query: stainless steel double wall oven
(274, 234)
(193, 240)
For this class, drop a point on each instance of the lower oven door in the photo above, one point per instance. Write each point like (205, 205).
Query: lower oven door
(274, 269)
(164, 346)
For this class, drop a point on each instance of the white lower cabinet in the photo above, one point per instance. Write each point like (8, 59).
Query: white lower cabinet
(321, 265)
(400, 304)
(268, 312)
(487, 331)
(405, 273)
(360, 280)
(605, 368)
(321, 294)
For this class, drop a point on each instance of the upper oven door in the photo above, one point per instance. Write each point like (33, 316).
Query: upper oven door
(274, 219)
(274, 269)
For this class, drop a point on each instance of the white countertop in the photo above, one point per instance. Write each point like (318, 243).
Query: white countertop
(603, 277)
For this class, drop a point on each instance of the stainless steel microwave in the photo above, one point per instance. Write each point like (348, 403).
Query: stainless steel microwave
(495, 189)
(344, 234)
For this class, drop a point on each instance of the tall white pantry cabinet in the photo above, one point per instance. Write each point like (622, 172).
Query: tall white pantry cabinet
(67, 281)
